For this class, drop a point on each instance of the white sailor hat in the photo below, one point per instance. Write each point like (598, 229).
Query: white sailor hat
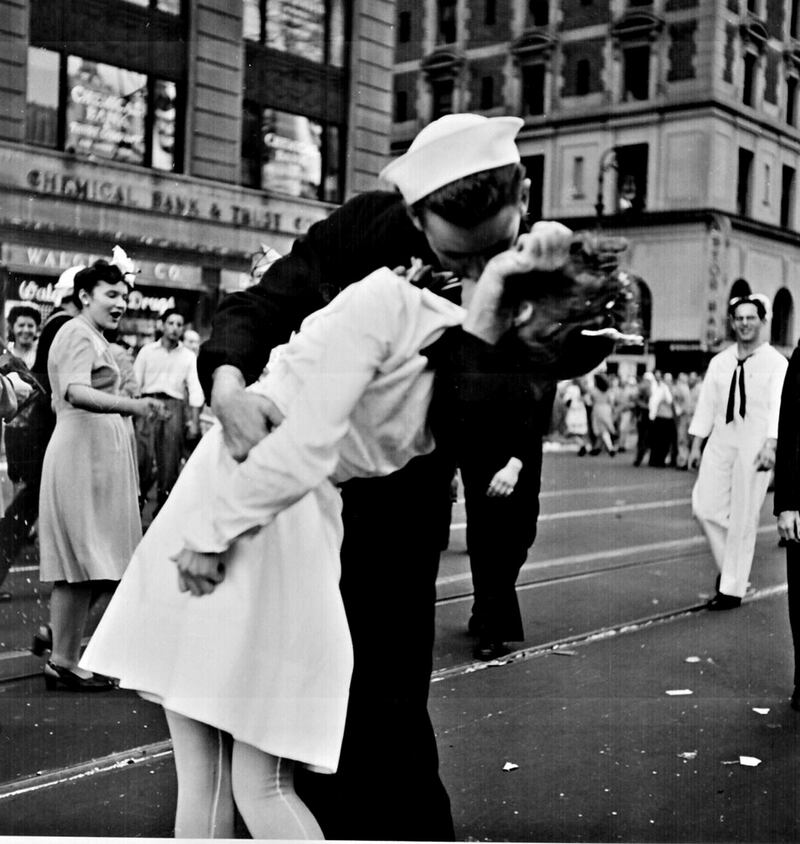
(66, 281)
(450, 148)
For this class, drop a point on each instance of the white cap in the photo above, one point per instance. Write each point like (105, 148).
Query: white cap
(450, 148)
(66, 281)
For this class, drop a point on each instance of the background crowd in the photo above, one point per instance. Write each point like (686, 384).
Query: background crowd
(648, 416)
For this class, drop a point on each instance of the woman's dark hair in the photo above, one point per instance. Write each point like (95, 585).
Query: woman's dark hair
(90, 277)
(469, 201)
(601, 382)
(24, 311)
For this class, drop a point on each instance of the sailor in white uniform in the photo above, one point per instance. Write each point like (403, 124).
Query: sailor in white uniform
(738, 411)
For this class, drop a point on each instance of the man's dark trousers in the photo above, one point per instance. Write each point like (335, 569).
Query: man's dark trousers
(388, 773)
(793, 591)
(500, 530)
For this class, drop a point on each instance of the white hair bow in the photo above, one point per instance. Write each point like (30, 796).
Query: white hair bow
(124, 264)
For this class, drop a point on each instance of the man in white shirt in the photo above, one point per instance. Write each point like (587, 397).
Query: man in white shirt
(738, 411)
(167, 370)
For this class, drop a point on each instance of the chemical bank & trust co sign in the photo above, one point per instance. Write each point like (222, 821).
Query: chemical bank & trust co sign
(174, 199)
(62, 177)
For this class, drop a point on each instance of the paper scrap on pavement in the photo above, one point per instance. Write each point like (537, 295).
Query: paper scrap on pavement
(564, 652)
(749, 761)
(761, 710)
(676, 692)
(689, 754)
(510, 766)
(692, 659)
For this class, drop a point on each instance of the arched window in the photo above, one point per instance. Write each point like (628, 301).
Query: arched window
(740, 287)
(782, 333)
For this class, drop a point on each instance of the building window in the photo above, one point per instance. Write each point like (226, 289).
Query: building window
(404, 27)
(787, 197)
(311, 29)
(791, 100)
(533, 78)
(539, 12)
(782, 330)
(534, 170)
(577, 177)
(490, 12)
(100, 112)
(290, 154)
(752, 7)
(442, 92)
(583, 77)
(400, 106)
(636, 73)
(41, 108)
(749, 78)
(487, 93)
(743, 178)
(766, 199)
(446, 33)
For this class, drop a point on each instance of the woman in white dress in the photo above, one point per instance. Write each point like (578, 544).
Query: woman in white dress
(254, 675)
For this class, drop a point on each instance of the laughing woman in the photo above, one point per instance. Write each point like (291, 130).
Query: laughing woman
(88, 514)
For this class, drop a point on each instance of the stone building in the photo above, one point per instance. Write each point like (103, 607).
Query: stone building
(676, 120)
(188, 131)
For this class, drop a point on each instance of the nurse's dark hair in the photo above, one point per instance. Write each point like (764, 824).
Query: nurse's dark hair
(469, 201)
(87, 279)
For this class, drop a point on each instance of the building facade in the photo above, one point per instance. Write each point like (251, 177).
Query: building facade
(188, 131)
(671, 122)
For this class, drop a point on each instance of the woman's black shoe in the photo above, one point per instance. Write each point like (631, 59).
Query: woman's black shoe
(5, 596)
(721, 601)
(42, 640)
(57, 677)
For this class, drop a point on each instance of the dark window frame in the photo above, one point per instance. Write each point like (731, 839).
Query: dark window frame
(636, 72)
(327, 45)
(404, 27)
(257, 160)
(152, 78)
(534, 95)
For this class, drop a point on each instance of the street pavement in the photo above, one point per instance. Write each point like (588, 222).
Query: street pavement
(572, 738)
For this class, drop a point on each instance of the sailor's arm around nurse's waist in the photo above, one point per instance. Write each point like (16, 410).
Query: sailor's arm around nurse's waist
(367, 232)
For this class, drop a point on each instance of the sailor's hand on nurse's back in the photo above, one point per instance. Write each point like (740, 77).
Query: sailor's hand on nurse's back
(246, 418)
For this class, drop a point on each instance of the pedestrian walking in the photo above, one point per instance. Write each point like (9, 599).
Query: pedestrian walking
(166, 370)
(576, 420)
(354, 385)
(603, 414)
(21, 514)
(461, 197)
(787, 502)
(642, 416)
(89, 521)
(738, 411)
(662, 420)
(23, 324)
